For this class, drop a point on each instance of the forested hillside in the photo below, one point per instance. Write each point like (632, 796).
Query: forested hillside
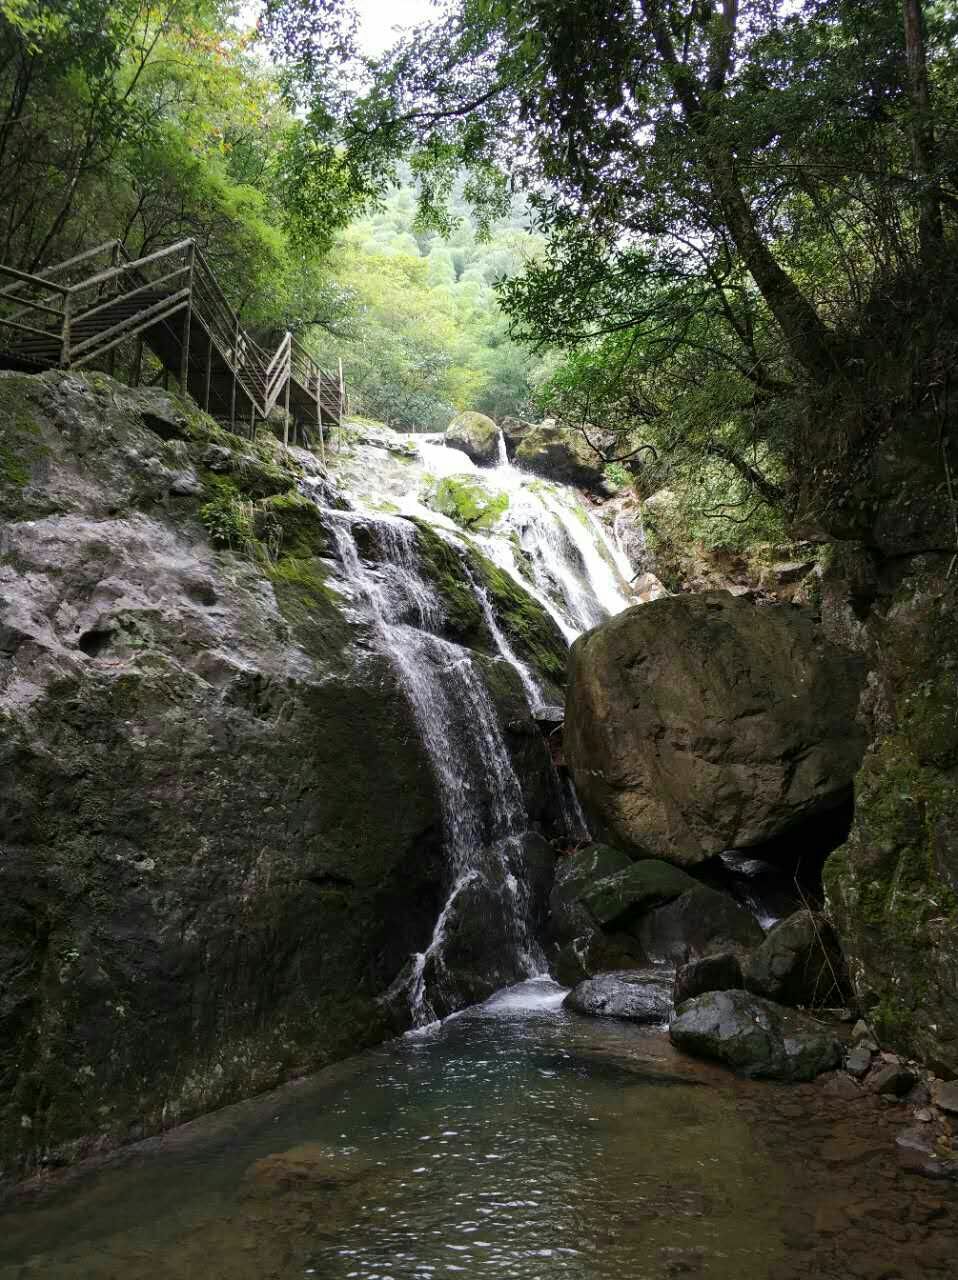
(151, 122)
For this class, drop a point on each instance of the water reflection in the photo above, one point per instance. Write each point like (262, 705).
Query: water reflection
(514, 1141)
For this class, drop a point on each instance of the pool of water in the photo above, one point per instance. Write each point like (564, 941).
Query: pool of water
(513, 1142)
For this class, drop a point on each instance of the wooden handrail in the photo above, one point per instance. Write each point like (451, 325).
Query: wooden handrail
(122, 308)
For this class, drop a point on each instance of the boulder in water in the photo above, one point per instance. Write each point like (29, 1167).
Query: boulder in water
(513, 430)
(701, 723)
(469, 501)
(754, 1036)
(798, 963)
(638, 995)
(595, 953)
(574, 874)
(563, 454)
(476, 436)
(719, 972)
(635, 889)
(698, 923)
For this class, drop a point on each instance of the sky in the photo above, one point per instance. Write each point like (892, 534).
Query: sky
(379, 18)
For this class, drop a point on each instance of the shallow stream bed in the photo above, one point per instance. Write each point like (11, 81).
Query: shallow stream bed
(514, 1142)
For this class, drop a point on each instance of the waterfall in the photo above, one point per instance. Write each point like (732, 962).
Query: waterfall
(484, 815)
(503, 451)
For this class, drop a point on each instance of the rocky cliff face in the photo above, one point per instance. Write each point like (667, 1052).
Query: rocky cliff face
(891, 593)
(221, 828)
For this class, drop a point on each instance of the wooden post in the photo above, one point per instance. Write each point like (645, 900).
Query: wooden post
(289, 373)
(234, 368)
(252, 418)
(319, 416)
(65, 331)
(188, 315)
(209, 370)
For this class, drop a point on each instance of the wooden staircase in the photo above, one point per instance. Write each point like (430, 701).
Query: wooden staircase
(169, 301)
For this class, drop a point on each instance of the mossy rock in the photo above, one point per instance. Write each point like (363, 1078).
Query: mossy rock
(468, 501)
(442, 566)
(532, 632)
(476, 436)
(892, 888)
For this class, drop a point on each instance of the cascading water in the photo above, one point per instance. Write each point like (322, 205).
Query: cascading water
(549, 543)
(484, 813)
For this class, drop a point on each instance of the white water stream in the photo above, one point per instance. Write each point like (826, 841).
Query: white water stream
(551, 545)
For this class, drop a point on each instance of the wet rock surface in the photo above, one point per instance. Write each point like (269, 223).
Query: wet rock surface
(798, 963)
(628, 893)
(697, 923)
(638, 995)
(754, 1036)
(719, 972)
(701, 723)
(476, 436)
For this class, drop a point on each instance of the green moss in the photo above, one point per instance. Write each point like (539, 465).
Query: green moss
(528, 627)
(291, 525)
(228, 519)
(468, 502)
(443, 567)
(21, 441)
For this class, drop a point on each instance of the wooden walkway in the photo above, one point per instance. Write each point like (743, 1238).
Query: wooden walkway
(80, 310)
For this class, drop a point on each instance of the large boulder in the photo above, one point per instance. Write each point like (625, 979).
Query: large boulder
(798, 963)
(702, 723)
(513, 431)
(595, 953)
(469, 501)
(575, 873)
(697, 923)
(625, 895)
(719, 972)
(754, 1036)
(562, 453)
(638, 995)
(476, 436)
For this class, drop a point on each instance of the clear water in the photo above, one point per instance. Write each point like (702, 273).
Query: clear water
(514, 1142)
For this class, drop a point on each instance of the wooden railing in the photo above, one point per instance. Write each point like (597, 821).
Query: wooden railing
(68, 317)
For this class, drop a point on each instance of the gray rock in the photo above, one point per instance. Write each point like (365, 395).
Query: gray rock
(639, 995)
(858, 1062)
(697, 923)
(635, 889)
(563, 454)
(477, 436)
(719, 972)
(702, 723)
(754, 1036)
(513, 430)
(917, 1153)
(798, 963)
(945, 1095)
(891, 1080)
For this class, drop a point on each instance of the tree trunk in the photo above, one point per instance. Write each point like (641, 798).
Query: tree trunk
(922, 132)
(811, 342)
